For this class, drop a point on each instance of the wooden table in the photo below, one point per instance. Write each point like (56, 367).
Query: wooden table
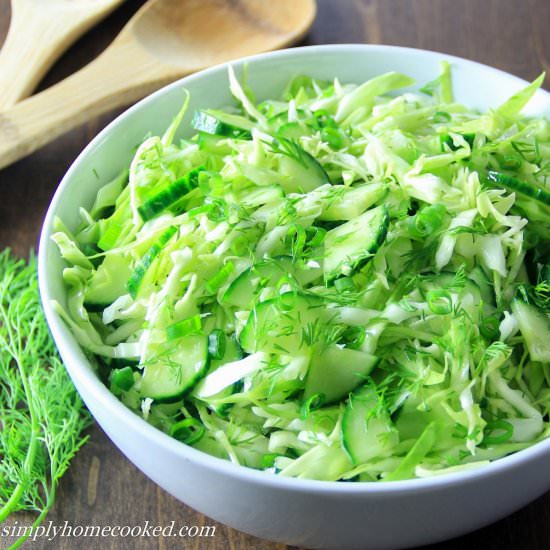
(102, 487)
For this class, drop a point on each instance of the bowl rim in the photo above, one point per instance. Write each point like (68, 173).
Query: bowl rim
(82, 372)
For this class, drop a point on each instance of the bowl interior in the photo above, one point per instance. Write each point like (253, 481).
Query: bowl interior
(475, 85)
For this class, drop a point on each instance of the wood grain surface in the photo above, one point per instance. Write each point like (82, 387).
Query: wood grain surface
(102, 487)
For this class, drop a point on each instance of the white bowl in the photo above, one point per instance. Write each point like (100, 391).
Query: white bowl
(314, 514)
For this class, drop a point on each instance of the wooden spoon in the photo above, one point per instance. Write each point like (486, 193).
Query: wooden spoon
(165, 40)
(40, 31)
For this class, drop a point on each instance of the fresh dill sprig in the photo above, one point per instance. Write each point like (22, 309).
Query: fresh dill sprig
(41, 415)
(529, 151)
(290, 149)
(537, 294)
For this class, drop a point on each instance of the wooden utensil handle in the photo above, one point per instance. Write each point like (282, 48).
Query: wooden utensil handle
(39, 32)
(26, 54)
(110, 81)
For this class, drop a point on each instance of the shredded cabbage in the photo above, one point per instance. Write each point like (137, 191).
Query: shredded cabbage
(429, 333)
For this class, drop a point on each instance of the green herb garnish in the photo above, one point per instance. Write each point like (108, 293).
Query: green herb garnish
(41, 415)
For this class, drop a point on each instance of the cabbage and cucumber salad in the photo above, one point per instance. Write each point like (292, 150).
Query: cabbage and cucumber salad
(350, 282)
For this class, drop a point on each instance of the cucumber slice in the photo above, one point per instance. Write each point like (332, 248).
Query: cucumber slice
(173, 374)
(335, 372)
(108, 282)
(294, 130)
(353, 202)
(245, 288)
(350, 245)
(232, 352)
(222, 124)
(534, 325)
(136, 279)
(514, 184)
(487, 293)
(164, 199)
(534, 211)
(302, 172)
(216, 344)
(283, 325)
(367, 431)
(257, 196)
(213, 144)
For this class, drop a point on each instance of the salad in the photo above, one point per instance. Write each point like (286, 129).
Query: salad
(349, 282)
